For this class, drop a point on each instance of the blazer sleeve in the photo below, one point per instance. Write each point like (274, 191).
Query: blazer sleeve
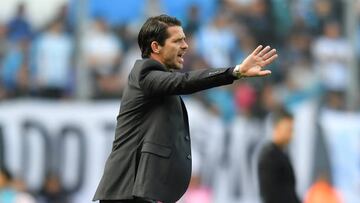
(155, 80)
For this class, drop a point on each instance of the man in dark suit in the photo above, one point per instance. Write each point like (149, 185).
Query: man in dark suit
(151, 156)
(275, 173)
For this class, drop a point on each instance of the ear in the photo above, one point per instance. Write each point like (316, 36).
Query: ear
(155, 47)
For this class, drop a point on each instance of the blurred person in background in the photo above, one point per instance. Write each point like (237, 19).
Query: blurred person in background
(7, 192)
(222, 99)
(281, 19)
(63, 16)
(332, 53)
(152, 7)
(14, 69)
(216, 41)
(53, 74)
(3, 41)
(3, 52)
(276, 175)
(52, 191)
(192, 59)
(19, 27)
(10, 192)
(239, 8)
(269, 98)
(132, 54)
(151, 155)
(103, 53)
(334, 101)
(246, 130)
(324, 11)
(296, 91)
(192, 21)
(297, 47)
(259, 21)
(244, 44)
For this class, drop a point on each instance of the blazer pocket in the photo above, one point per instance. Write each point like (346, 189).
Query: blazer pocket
(156, 149)
(154, 164)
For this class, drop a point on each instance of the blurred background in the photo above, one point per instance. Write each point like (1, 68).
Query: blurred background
(64, 63)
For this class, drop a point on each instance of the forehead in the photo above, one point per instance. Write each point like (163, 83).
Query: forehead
(176, 32)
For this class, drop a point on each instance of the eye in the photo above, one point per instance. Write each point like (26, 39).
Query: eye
(180, 40)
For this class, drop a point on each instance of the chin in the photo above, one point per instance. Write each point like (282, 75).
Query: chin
(176, 66)
(179, 67)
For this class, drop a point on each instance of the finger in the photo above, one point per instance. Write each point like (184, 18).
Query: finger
(269, 54)
(264, 73)
(262, 52)
(270, 60)
(257, 50)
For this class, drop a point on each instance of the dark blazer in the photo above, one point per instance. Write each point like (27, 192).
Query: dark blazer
(276, 176)
(151, 155)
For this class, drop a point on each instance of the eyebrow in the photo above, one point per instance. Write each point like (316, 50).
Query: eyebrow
(180, 38)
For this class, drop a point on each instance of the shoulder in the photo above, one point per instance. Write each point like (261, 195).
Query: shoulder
(267, 151)
(143, 66)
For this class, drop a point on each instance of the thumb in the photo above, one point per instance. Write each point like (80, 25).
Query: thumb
(264, 73)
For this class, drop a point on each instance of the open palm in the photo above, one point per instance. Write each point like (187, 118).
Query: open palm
(253, 65)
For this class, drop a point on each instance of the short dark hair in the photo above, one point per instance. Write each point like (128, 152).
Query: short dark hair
(280, 114)
(155, 29)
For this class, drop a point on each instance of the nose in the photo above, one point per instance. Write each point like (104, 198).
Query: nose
(184, 45)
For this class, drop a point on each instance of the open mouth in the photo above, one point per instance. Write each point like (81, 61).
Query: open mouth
(181, 57)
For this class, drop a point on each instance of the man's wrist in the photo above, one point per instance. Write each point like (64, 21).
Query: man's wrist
(237, 72)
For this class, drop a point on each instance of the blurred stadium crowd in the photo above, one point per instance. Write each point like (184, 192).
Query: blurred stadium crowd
(313, 64)
(40, 62)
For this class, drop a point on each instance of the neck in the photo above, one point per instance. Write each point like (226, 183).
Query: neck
(158, 59)
(279, 143)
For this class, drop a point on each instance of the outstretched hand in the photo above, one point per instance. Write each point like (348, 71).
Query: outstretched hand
(253, 64)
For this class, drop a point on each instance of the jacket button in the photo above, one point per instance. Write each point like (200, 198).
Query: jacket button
(189, 156)
(187, 137)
